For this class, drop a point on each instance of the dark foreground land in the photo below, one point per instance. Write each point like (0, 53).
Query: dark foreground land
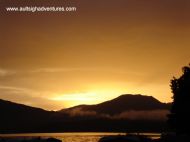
(38, 139)
(118, 138)
(141, 138)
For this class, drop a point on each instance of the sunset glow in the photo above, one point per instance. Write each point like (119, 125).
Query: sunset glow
(93, 97)
(58, 60)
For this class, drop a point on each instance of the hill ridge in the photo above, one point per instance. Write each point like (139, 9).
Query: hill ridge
(123, 103)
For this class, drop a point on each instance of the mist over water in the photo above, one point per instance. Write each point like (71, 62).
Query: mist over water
(130, 115)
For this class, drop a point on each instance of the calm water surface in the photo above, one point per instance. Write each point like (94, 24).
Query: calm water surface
(74, 137)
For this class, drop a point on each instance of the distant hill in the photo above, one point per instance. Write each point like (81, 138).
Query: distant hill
(11, 108)
(14, 116)
(124, 103)
(116, 115)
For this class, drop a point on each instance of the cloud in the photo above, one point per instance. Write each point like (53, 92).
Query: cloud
(55, 70)
(17, 90)
(29, 97)
(4, 72)
(70, 69)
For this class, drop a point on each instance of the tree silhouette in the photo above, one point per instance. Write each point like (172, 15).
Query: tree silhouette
(179, 118)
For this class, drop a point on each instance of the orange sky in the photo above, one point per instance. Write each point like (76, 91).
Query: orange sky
(104, 49)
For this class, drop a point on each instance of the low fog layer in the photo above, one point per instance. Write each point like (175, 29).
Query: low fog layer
(131, 115)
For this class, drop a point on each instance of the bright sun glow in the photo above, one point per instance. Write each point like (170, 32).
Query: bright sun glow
(77, 98)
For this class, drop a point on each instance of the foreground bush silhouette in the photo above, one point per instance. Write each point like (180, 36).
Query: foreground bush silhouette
(179, 119)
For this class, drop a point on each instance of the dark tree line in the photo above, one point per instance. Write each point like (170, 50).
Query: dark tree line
(179, 118)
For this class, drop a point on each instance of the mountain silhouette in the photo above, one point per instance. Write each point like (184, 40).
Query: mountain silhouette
(106, 116)
(8, 107)
(124, 103)
(20, 117)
